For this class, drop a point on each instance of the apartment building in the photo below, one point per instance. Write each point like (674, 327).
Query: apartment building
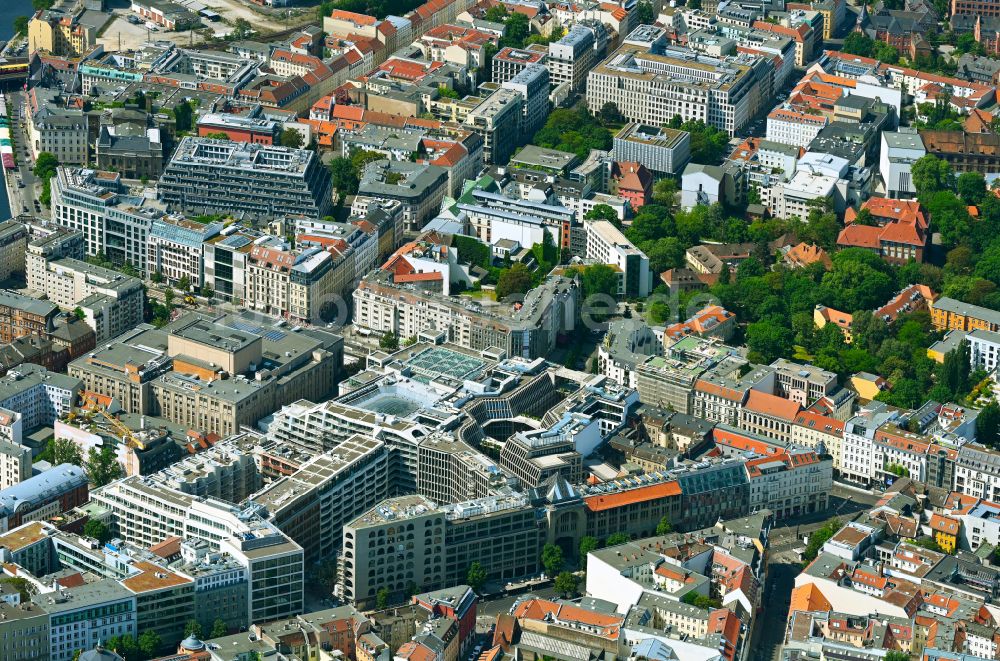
(164, 599)
(977, 472)
(791, 483)
(111, 302)
(40, 396)
(508, 62)
(651, 82)
(417, 187)
(13, 245)
(59, 244)
(974, 7)
(61, 132)
(24, 315)
(858, 456)
(794, 127)
(497, 119)
(176, 248)
(572, 57)
(670, 380)
(607, 245)
(24, 630)
(950, 314)
(15, 459)
(60, 33)
(532, 83)
(301, 283)
(529, 331)
(207, 176)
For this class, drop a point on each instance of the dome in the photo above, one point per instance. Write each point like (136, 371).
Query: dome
(192, 644)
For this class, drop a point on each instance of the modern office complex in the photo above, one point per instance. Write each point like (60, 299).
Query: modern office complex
(207, 176)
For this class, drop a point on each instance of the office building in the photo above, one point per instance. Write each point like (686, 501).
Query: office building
(651, 83)
(572, 57)
(312, 505)
(175, 248)
(508, 62)
(607, 245)
(529, 331)
(208, 176)
(225, 258)
(43, 496)
(662, 150)
(532, 83)
(61, 132)
(111, 302)
(497, 119)
(96, 204)
(13, 245)
(82, 616)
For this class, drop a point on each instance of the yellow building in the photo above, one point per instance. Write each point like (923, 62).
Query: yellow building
(948, 313)
(868, 386)
(823, 315)
(950, 341)
(60, 34)
(945, 530)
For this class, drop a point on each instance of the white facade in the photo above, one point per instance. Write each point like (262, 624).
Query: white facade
(900, 149)
(984, 349)
(793, 128)
(608, 245)
(792, 199)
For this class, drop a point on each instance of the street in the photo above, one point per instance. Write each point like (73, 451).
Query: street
(784, 564)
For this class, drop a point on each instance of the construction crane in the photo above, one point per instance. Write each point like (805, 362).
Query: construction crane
(127, 435)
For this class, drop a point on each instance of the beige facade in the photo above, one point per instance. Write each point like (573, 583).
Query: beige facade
(59, 34)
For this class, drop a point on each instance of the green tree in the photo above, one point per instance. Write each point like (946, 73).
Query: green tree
(217, 135)
(65, 451)
(857, 43)
(603, 212)
(219, 629)
(39, 5)
(768, 340)
(614, 539)
(955, 371)
(818, 538)
(588, 544)
(476, 576)
(895, 655)
(708, 144)
(23, 586)
(168, 297)
(517, 27)
(184, 284)
(102, 466)
(552, 559)
(665, 192)
(988, 425)
(644, 14)
(971, 187)
(515, 280)
(566, 583)
(664, 527)
(241, 29)
(149, 643)
(573, 130)
(389, 341)
(157, 277)
(931, 174)
(97, 530)
(45, 165)
(184, 116)
(700, 601)
(599, 279)
(21, 25)
(382, 598)
(610, 114)
(344, 177)
(292, 138)
(192, 628)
